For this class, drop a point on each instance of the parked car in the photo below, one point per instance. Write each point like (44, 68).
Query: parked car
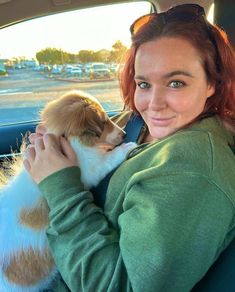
(19, 66)
(113, 68)
(3, 72)
(99, 70)
(56, 70)
(87, 69)
(75, 71)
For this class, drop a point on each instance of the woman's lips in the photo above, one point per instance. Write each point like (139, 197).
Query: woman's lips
(161, 121)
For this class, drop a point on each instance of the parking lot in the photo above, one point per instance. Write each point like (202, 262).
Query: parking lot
(24, 92)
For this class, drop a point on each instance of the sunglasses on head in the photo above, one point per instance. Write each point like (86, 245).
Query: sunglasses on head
(184, 13)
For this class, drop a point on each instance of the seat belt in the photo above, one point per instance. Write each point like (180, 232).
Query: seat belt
(132, 129)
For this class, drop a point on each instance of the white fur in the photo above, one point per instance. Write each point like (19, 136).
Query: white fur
(22, 192)
(95, 164)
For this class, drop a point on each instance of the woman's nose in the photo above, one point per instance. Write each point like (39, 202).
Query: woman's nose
(157, 100)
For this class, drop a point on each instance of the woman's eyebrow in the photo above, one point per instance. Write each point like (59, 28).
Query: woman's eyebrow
(177, 72)
(167, 75)
(140, 77)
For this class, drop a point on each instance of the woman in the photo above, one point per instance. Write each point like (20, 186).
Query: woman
(169, 209)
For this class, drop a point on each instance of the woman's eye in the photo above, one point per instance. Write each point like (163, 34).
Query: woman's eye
(143, 85)
(176, 84)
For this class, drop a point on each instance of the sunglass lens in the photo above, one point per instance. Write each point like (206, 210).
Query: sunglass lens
(140, 22)
(184, 12)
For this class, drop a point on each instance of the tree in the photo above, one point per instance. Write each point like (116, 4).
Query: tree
(101, 56)
(86, 56)
(55, 56)
(117, 52)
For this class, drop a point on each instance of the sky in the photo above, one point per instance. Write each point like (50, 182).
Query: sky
(89, 29)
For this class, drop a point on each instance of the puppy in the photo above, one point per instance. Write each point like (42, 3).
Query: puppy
(25, 261)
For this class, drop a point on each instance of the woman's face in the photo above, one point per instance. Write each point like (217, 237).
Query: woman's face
(171, 85)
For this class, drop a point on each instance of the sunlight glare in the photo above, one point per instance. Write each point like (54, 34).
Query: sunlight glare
(88, 29)
(210, 16)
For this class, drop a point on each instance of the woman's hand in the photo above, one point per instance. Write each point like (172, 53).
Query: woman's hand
(47, 155)
(39, 132)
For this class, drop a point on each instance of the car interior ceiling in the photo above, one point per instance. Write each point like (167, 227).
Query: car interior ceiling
(16, 10)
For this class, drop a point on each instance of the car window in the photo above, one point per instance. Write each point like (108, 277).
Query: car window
(42, 58)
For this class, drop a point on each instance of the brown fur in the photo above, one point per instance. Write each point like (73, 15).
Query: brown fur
(77, 114)
(22, 269)
(37, 217)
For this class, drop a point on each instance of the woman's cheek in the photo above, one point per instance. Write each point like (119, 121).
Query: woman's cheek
(180, 105)
(139, 101)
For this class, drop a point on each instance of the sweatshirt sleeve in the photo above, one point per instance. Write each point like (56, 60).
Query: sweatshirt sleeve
(163, 241)
(85, 248)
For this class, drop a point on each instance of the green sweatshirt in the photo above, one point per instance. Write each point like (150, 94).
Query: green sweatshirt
(169, 213)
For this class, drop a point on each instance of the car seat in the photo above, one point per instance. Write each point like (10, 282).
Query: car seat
(221, 275)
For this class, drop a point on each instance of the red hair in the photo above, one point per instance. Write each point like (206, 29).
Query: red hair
(218, 60)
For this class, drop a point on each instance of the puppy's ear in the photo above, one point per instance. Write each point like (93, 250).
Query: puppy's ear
(94, 119)
(73, 115)
(63, 117)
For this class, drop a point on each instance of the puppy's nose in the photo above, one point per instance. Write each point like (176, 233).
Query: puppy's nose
(122, 134)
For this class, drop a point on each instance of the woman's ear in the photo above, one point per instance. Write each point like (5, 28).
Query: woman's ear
(210, 90)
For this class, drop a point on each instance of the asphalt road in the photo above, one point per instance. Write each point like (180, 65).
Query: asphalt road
(24, 92)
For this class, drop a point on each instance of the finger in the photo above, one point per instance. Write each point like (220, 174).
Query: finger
(41, 129)
(33, 137)
(27, 165)
(30, 153)
(39, 144)
(39, 132)
(67, 149)
(51, 141)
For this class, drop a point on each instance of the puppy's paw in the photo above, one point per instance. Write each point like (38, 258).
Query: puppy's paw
(127, 147)
(119, 153)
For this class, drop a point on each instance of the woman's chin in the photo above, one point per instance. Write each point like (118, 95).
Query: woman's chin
(161, 133)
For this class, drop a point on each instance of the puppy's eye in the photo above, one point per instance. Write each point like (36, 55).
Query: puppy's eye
(91, 132)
